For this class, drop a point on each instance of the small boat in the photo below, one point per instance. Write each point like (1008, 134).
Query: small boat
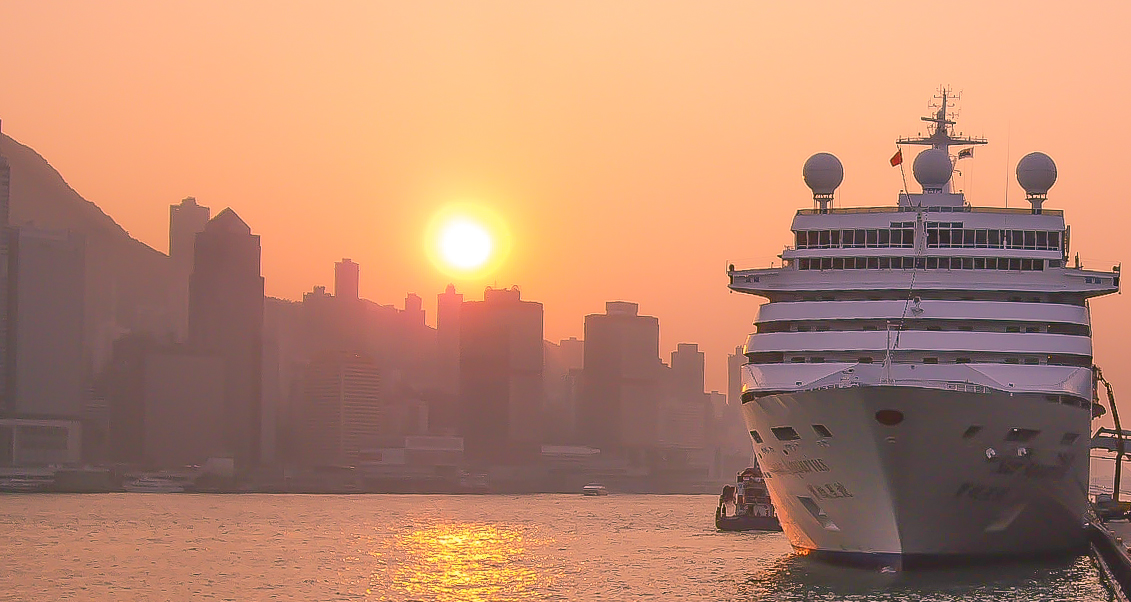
(594, 489)
(752, 508)
(153, 485)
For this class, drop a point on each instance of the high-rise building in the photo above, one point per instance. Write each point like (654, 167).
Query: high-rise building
(226, 318)
(735, 362)
(347, 275)
(447, 338)
(183, 398)
(164, 403)
(46, 372)
(620, 386)
(687, 373)
(501, 376)
(343, 409)
(186, 220)
(5, 189)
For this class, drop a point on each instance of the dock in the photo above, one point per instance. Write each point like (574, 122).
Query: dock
(1109, 541)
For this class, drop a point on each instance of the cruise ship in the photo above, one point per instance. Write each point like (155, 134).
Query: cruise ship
(919, 385)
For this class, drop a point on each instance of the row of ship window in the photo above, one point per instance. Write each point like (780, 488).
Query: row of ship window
(928, 325)
(950, 235)
(778, 357)
(864, 238)
(925, 263)
(939, 235)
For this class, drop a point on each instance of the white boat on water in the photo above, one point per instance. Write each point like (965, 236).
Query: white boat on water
(153, 485)
(594, 489)
(920, 386)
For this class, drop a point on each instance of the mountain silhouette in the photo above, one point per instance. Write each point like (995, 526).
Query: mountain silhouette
(128, 285)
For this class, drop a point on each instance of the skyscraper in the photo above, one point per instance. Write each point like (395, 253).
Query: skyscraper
(185, 221)
(687, 373)
(5, 189)
(447, 338)
(620, 384)
(46, 371)
(501, 376)
(735, 362)
(226, 319)
(347, 275)
(343, 410)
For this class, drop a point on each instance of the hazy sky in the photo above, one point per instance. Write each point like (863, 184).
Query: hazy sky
(634, 148)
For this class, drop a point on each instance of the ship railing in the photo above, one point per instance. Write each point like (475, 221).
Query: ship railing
(964, 209)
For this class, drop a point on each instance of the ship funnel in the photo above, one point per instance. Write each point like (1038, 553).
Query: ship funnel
(823, 173)
(1036, 173)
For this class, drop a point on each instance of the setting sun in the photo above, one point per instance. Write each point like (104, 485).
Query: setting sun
(467, 241)
(465, 244)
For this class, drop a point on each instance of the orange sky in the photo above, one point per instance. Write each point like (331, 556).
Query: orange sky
(635, 148)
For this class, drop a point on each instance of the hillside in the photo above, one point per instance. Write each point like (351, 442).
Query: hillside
(127, 282)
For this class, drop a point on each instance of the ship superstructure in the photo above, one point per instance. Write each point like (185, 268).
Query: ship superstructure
(919, 384)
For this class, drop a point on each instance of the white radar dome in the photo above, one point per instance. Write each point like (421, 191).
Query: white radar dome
(1036, 173)
(932, 168)
(823, 173)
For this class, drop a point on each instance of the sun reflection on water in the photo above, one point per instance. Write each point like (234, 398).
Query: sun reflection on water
(461, 561)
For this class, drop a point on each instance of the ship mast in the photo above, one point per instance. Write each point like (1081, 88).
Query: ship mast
(941, 134)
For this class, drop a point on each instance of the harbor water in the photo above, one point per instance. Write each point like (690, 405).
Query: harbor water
(448, 548)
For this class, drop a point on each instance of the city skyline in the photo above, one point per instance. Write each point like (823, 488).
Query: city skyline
(633, 150)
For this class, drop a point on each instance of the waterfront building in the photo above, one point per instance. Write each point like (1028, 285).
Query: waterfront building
(183, 401)
(28, 442)
(164, 402)
(344, 411)
(501, 388)
(5, 199)
(621, 379)
(447, 338)
(226, 318)
(46, 372)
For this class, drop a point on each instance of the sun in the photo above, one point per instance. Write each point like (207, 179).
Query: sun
(465, 244)
(467, 241)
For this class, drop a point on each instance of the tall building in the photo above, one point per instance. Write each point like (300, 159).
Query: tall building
(226, 319)
(183, 399)
(164, 402)
(186, 220)
(620, 385)
(501, 376)
(343, 409)
(5, 190)
(563, 363)
(347, 277)
(687, 367)
(46, 372)
(447, 338)
(735, 362)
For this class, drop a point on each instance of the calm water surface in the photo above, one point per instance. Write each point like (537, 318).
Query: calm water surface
(446, 548)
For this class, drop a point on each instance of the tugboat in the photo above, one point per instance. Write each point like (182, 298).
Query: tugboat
(752, 508)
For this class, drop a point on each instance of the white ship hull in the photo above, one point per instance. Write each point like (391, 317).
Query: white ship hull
(924, 489)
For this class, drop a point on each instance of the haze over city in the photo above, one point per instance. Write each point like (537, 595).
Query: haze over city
(632, 149)
(471, 260)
